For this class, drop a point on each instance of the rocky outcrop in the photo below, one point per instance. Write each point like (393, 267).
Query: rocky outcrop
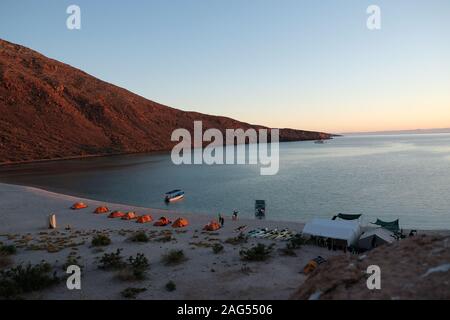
(414, 268)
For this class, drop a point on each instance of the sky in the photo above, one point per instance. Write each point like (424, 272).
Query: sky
(310, 65)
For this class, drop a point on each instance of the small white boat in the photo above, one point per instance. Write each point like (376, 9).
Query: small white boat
(174, 195)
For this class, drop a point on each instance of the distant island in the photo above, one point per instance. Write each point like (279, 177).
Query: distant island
(50, 110)
(392, 132)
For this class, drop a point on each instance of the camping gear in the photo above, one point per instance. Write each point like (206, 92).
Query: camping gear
(348, 230)
(256, 232)
(116, 214)
(100, 210)
(163, 221)
(374, 238)
(391, 226)
(313, 264)
(260, 209)
(78, 206)
(273, 234)
(180, 223)
(130, 216)
(212, 226)
(144, 219)
(344, 216)
(52, 221)
(173, 195)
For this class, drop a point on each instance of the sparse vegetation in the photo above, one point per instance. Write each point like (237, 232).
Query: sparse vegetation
(101, 240)
(112, 261)
(5, 262)
(139, 265)
(7, 250)
(140, 237)
(240, 239)
(131, 293)
(24, 279)
(217, 248)
(296, 242)
(165, 238)
(288, 252)
(71, 260)
(171, 286)
(260, 252)
(135, 269)
(173, 257)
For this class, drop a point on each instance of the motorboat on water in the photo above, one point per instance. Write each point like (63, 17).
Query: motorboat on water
(174, 195)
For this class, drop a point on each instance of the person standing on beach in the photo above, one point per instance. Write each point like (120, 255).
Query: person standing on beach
(235, 215)
(221, 220)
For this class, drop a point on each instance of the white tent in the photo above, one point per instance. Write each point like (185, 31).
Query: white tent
(375, 237)
(334, 229)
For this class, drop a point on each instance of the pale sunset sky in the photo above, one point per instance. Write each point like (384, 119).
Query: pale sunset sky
(310, 65)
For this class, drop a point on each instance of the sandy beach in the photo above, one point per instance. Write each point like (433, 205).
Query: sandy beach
(204, 275)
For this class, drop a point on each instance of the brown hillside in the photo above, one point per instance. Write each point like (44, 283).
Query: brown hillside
(50, 110)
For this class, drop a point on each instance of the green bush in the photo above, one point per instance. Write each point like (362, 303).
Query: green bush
(171, 286)
(259, 252)
(24, 279)
(101, 240)
(173, 257)
(7, 250)
(131, 293)
(112, 261)
(138, 265)
(140, 237)
(71, 261)
(217, 248)
(296, 242)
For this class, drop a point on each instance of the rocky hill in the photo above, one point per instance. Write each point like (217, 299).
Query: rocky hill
(50, 110)
(414, 268)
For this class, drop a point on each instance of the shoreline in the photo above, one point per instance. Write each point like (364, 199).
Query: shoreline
(154, 152)
(223, 276)
(204, 215)
(203, 275)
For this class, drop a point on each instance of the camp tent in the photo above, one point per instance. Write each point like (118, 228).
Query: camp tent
(374, 238)
(78, 206)
(116, 214)
(348, 231)
(180, 223)
(144, 219)
(163, 221)
(212, 226)
(129, 216)
(391, 226)
(347, 216)
(101, 210)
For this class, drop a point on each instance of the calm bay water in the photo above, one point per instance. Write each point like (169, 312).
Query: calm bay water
(389, 177)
